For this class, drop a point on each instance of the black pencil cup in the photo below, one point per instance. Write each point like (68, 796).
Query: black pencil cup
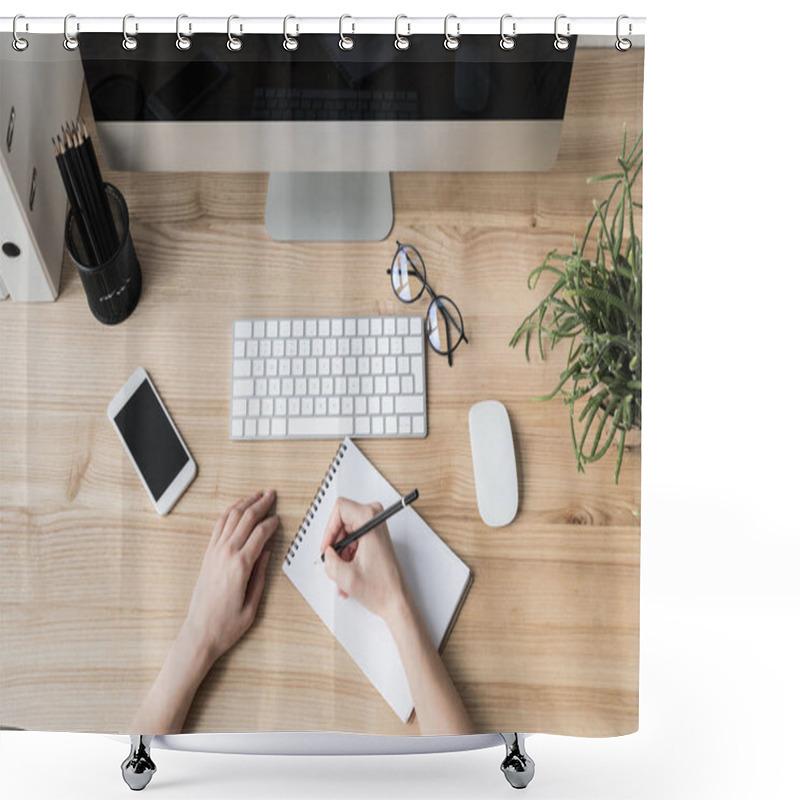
(113, 287)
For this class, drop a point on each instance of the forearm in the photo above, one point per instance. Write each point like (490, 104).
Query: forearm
(437, 703)
(167, 703)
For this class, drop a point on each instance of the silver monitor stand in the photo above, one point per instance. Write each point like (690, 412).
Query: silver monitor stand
(329, 206)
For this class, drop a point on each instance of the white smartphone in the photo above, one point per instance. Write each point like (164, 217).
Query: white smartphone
(152, 441)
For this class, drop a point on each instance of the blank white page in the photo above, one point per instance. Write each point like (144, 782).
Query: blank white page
(436, 576)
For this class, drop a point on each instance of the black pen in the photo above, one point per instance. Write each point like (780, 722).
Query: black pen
(373, 523)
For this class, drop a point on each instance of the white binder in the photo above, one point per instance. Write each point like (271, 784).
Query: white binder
(40, 89)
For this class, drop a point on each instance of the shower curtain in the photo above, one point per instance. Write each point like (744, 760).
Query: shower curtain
(530, 295)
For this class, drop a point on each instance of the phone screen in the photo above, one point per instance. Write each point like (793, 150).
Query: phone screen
(151, 439)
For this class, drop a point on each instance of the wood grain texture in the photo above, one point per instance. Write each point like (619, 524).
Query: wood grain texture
(95, 585)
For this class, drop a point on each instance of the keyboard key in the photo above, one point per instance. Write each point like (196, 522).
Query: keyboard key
(249, 427)
(418, 425)
(391, 425)
(363, 366)
(370, 346)
(267, 405)
(259, 329)
(320, 407)
(294, 406)
(274, 387)
(336, 327)
(284, 328)
(416, 371)
(349, 366)
(362, 326)
(375, 327)
(243, 387)
(340, 386)
(376, 365)
(242, 368)
(263, 427)
(304, 348)
(387, 405)
(280, 409)
(353, 386)
(239, 407)
(311, 366)
(242, 329)
(330, 347)
(388, 326)
(317, 347)
(383, 346)
(412, 404)
(377, 426)
(313, 386)
(311, 328)
(402, 326)
(337, 366)
(307, 406)
(251, 350)
(374, 405)
(407, 384)
(343, 347)
(297, 328)
(403, 365)
(349, 327)
(357, 347)
(284, 367)
(238, 348)
(324, 327)
(300, 387)
(253, 407)
(361, 406)
(393, 384)
(380, 384)
(415, 325)
(333, 406)
(321, 426)
(297, 367)
(287, 387)
(272, 328)
(291, 347)
(367, 385)
(279, 426)
(396, 345)
(347, 406)
(324, 366)
(261, 387)
(278, 348)
(412, 345)
(405, 425)
(389, 365)
(362, 426)
(327, 386)
(258, 368)
(271, 367)
(237, 428)
(265, 348)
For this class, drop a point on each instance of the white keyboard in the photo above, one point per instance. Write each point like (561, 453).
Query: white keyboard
(329, 377)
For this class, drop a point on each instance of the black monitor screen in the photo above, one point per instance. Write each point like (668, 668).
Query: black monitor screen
(320, 81)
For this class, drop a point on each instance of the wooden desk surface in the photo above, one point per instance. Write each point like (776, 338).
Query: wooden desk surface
(95, 585)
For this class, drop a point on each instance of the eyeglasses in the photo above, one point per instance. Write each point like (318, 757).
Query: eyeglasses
(443, 322)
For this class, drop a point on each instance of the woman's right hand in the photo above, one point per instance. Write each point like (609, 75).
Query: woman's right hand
(367, 569)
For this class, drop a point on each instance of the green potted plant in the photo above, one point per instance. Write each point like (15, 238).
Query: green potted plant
(596, 304)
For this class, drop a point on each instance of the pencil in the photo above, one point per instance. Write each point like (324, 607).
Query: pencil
(373, 523)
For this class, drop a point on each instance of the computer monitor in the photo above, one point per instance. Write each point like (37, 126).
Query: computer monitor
(329, 125)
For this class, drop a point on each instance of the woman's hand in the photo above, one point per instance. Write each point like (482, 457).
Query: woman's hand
(367, 569)
(231, 580)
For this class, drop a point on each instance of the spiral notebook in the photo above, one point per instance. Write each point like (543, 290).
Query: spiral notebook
(436, 576)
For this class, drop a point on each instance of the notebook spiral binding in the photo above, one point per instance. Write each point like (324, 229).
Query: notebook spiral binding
(315, 503)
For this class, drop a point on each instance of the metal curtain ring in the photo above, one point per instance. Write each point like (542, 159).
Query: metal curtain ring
(623, 44)
(451, 42)
(18, 43)
(561, 43)
(290, 42)
(507, 42)
(234, 43)
(129, 42)
(182, 42)
(70, 42)
(401, 42)
(346, 42)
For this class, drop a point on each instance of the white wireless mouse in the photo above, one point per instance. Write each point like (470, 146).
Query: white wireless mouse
(494, 463)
